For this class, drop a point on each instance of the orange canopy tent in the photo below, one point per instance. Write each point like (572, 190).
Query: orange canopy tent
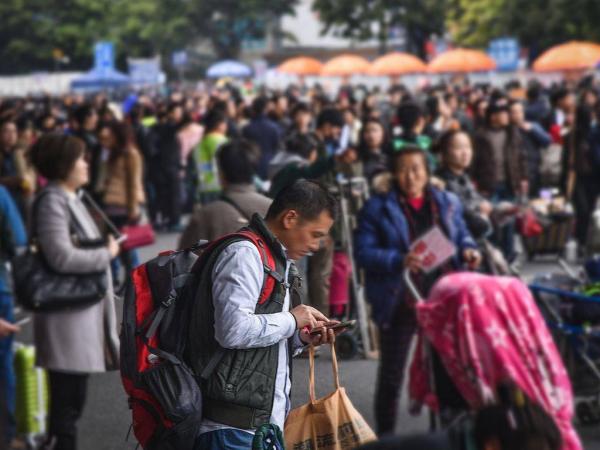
(569, 56)
(397, 63)
(301, 65)
(461, 60)
(345, 65)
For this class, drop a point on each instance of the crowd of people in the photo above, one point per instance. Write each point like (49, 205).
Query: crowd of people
(201, 163)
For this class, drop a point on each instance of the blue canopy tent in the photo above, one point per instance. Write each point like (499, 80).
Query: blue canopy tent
(99, 79)
(229, 68)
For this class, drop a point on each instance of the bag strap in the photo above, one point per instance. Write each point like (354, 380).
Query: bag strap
(271, 277)
(237, 207)
(269, 265)
(84, 195)
(73, 223)
(311, 379)
(34, 209)
(153, 321)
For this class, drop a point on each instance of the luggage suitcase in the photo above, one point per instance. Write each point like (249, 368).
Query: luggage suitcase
(31, 396)
(556, 232)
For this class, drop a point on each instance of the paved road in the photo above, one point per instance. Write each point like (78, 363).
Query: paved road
(106, 419)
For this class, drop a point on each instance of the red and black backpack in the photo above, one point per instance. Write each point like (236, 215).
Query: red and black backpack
(163, 394)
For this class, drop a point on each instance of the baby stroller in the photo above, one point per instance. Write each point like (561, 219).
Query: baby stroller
(487, 330)
(574, 318)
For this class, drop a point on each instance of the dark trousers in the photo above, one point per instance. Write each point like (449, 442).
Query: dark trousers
(585, 193)
(394, 344)
(67, 399)
(168, 196)
(7, 375)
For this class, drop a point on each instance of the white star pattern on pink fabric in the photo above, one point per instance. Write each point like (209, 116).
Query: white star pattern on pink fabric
(500, 301)
(497, 335)
(477, 293)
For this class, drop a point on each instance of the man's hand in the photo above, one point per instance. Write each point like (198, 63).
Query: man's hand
(307, 316)
(7, 328)
(472, 257)
(327, 336)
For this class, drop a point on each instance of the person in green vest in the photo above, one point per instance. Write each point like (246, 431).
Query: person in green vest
(216, 134)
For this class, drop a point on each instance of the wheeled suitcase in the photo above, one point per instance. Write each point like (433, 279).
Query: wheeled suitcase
(557, 229)
(31, 396)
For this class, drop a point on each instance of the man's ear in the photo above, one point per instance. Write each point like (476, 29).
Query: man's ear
(290, 219)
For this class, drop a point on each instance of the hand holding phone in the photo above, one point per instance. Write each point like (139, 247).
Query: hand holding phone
(335, 326)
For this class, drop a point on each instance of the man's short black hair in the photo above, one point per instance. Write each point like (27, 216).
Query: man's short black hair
(300, 107)
(82, 112)
(214, 118)
(308, 198)
(237, 161)
(409, 113)
(301, 144)
(259, 106)
(330, 116)
(558, 94)
(534, 90)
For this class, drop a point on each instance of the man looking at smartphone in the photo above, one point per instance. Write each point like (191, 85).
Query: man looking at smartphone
(250, 386)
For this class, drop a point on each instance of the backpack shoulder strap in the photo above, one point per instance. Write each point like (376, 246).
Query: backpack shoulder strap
(271, 278)
(268, 260)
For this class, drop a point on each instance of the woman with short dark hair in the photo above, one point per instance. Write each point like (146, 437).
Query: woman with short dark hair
(389, 223)
(71, 343)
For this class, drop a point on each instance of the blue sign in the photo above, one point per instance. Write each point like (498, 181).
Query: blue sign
(104, 56)
(145, 71)
(505, 51)
(179, 58)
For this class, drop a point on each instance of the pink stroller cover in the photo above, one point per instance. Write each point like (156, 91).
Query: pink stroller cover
(487, 330)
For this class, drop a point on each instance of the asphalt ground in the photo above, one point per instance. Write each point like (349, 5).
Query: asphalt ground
(106, 419)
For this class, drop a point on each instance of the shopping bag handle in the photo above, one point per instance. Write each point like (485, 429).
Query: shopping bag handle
(311, 375)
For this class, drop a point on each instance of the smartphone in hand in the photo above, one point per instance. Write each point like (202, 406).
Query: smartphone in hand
(347, 325)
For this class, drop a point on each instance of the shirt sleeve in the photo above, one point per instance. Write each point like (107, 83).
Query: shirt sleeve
(297, 345)
(237, 282)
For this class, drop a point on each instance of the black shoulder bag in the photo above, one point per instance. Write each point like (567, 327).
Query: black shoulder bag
(39, 288)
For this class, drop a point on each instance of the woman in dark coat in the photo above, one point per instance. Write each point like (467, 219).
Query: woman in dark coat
(387, 226)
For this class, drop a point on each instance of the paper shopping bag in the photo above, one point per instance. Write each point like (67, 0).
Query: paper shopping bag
(329, 423)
